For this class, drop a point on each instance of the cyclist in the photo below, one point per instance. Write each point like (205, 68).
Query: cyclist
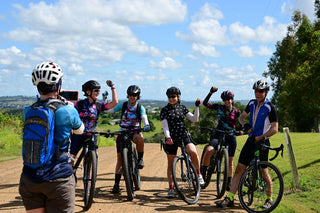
(89, 110)
(132, 115)
(172, 120)
(263, 123)
(51, 188)
(227, 118)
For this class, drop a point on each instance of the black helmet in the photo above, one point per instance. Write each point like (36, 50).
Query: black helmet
(227, 95)
(134, 89)
(90, 85)
(261, 84)
(173, 91)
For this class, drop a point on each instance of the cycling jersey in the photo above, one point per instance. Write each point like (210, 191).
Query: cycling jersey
(226, 119)
(129, 117)
(89, 113)
(266, 115)
(175, 117)
(66, 119)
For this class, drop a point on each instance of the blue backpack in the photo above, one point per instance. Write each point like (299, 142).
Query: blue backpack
(38, 134)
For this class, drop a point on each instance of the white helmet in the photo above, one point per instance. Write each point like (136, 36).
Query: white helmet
(47, 72)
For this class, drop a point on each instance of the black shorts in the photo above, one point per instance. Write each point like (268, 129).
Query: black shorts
(172, 149)
(247, 152)
(229, 139)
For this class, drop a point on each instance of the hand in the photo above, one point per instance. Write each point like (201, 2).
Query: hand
(146, 128)
(213, 89)
(169, 141)
(198, 102)
(105, 95)
(109, 83)
(246, 127)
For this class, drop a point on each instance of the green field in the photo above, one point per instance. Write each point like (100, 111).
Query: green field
(305, 145)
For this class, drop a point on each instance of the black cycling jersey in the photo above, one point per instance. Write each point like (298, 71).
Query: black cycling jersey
(175, 117)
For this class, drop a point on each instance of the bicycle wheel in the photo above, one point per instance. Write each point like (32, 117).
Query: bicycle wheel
(89, 177)
(255, 190)
(127, 172)
(186, 181)
(136, 171)
(222, 172)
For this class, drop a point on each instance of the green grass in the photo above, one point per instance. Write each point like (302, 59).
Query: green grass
(306, 150)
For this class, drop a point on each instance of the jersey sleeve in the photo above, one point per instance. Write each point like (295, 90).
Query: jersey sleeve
(118, 107)
(143, 111)
(273, 115)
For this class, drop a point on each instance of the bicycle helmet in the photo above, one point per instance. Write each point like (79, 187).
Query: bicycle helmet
(133, 89)
(90, 85)
(227, 95)
(261, 84)
(173, 91)
(47, 72)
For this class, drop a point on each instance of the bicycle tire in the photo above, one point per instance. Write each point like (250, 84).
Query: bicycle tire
(136, 171)
(206, 180)
(252, 196)
(222, 172)
(89, 177)
(127, 172)
(187, 187)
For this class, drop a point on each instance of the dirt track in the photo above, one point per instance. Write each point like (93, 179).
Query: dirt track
(151, 197)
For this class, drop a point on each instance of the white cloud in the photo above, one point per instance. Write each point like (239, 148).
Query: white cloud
(205, 50)
(268, 31)
(306, 6)
(245, 52)
(212, 65)
(166, 63)
(264, 51)
(208, 11)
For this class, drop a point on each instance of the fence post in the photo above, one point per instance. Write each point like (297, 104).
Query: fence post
(294, 168)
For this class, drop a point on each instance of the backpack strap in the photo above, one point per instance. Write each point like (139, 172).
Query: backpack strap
(138, 110)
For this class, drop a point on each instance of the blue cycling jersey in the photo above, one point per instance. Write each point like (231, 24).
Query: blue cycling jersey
(266, 114)
(130, 117)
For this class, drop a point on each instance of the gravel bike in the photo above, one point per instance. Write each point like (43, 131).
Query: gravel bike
(129, 161)
(261, 185)
(219, 162)
(184, 175)
(89, 157)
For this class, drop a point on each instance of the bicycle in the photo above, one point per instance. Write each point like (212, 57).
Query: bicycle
(255, 188)
(219, 161)
(184, 175)
(129, 161)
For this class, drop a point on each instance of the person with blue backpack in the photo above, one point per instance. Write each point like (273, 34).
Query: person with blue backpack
(47, 183)
(132, 113)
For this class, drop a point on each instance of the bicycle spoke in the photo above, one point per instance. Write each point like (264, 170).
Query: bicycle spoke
(255, 191)
(186, 183)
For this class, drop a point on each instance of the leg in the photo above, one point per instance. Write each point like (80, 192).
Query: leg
(207, 155)
(192, 151)
(169, 170)
(267, 178)
(138, 140)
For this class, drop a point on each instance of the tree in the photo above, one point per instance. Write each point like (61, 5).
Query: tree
(294, 70)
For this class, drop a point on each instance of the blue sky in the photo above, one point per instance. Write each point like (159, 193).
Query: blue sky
(154, 44)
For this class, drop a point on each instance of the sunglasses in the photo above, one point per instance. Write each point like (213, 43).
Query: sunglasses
(96, 90)
(259, 91)
(226, 99)
(172, 96)
(134, 95)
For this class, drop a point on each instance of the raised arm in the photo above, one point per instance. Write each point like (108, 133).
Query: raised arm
(114, 101)
(212, 90)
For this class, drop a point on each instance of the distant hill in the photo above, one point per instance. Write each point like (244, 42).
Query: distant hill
(19, 102)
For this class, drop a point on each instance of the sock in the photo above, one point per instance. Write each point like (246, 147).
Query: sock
(171, 187)
(140, 155)
(198, 171)
(117, 178)
(231, 196)
(204, 169)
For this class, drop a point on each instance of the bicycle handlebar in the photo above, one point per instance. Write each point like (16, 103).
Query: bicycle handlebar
(111, 134)
(278, 149)
(213, 131)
